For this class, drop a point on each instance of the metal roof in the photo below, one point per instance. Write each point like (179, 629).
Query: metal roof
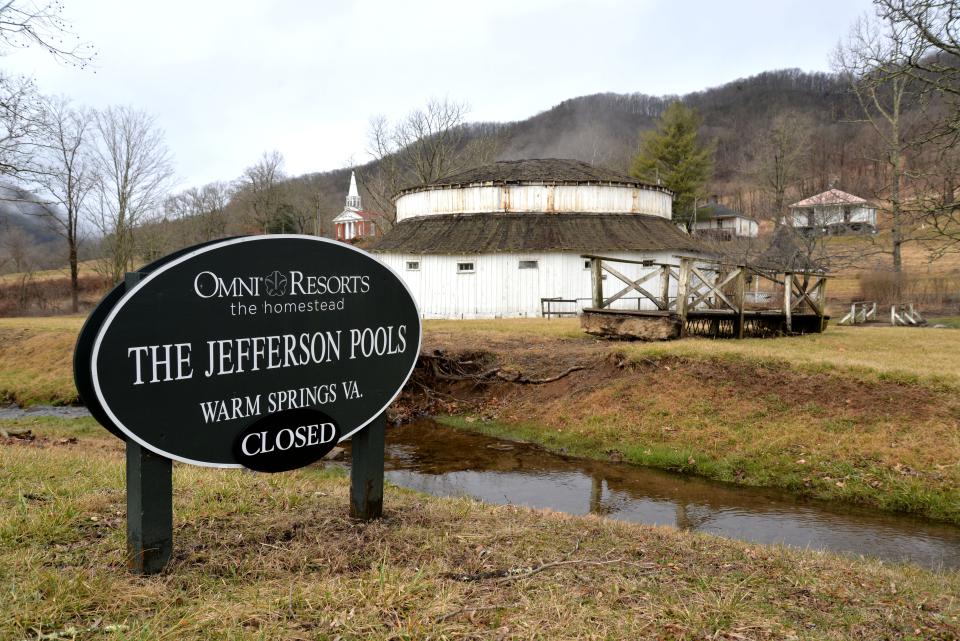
(830, 197)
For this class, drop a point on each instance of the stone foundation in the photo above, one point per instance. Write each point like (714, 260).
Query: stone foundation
(627, 326)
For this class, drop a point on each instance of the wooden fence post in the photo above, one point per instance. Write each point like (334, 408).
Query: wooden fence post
(822, 298)
(665, 286)
(740, 299)
(597, 275)
(787, 300)
(683, 284)
(149, 502)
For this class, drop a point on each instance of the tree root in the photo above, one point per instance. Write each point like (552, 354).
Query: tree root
(445, 368)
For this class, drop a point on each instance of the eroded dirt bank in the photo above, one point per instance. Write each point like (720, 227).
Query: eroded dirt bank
(820, 432)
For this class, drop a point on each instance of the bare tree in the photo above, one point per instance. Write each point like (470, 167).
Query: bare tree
(869, 61)
(927, 36)
(16, 251)
(260, 191)
(426, 145)
(24, 23)
(21, 113)
(302, 202)
(134, 168)
(778, 158)
(65, 176)
(199, 212)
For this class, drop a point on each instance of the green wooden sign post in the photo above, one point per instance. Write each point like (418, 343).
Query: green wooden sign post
(149, 501)
(366, 470)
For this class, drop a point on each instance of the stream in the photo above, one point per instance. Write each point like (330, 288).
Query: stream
(443, 461)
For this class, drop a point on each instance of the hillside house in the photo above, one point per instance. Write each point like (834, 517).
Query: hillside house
(833, 212)
(353, 223)
(494, 241)
(722, 223)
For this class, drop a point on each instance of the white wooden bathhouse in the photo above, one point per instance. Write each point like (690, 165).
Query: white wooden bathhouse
(494, 241)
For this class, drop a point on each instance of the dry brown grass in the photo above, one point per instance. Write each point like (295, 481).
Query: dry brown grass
(275, 557)
(36, 359)
(917, 265)
(929, 354)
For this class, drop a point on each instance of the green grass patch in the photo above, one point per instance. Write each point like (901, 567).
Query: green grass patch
(952, 322)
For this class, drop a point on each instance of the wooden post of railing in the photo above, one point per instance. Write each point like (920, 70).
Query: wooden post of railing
(822, 299)
(683, 286)
(597, 276)
(665, 286)
(787, 300)
(740, 300)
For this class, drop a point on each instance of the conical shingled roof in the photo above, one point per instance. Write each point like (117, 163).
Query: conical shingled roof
(496, 233)
(553, 171)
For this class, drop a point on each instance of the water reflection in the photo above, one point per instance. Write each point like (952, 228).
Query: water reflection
(442, 461)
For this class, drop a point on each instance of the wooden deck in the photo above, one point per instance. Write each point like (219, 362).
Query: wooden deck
(721, 323)
(705, 298)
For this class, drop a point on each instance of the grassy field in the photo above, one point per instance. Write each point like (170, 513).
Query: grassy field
(36, 360)
(930, 355)
(863, 415)
(952, 322)
(275, 557)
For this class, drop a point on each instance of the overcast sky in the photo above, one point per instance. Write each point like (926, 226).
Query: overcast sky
(230, 80)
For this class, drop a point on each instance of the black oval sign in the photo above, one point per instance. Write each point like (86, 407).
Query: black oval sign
(286, 440)
(218, 338)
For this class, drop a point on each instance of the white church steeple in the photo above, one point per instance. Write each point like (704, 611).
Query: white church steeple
(353, 196)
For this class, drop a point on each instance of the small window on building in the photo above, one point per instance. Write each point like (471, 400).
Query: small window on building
(465, 268)
(586, 264)
(413, 265)
(528, 264)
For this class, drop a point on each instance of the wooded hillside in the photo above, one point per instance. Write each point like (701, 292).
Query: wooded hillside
(604, 129)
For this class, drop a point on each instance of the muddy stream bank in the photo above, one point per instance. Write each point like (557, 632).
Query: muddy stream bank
(444, 461)
(439, 460)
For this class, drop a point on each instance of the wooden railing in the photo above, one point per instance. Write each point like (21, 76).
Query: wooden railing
(860, 312)
(905, 314)
(710, 285)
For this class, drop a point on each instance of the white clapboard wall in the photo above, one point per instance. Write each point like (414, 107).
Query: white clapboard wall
(498, 287)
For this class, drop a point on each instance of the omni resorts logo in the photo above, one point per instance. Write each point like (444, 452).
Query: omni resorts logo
(275, 284)
(207, 284)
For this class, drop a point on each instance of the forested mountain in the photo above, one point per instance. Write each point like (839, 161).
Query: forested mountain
(604, 129)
